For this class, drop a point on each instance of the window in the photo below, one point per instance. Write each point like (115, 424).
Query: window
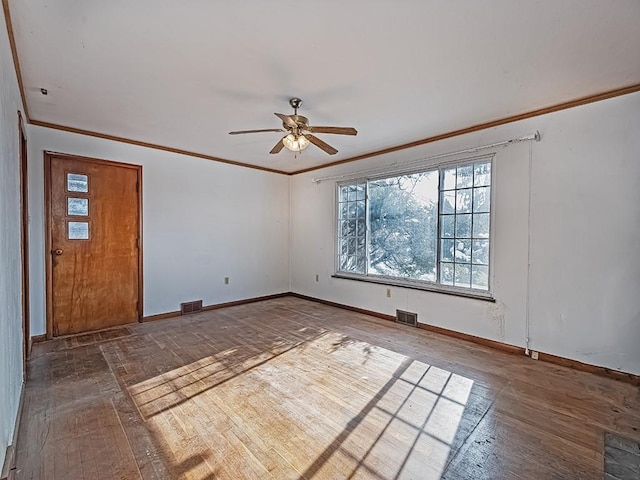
(352, 228)
(77, 182)
(77, 206)
(429, 228)
(78, 230)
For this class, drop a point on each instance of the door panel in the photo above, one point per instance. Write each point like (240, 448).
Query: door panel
(94, 223)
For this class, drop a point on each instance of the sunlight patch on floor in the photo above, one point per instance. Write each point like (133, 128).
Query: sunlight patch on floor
(419, 430)
(363, 411)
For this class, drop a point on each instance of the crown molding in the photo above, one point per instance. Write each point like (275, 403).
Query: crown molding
(483, 126)
(130, 141)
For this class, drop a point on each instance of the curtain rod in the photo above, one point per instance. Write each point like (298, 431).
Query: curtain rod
(407, 166)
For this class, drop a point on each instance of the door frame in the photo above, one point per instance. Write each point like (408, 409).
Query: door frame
(24, 241)
(48, 158)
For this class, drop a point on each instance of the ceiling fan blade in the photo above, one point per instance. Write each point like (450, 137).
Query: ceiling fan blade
(278, 146)
(286, 119)
(257, 131)
(321, 145)
(334, 130)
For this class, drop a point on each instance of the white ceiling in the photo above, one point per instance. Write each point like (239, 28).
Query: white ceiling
(184, 73)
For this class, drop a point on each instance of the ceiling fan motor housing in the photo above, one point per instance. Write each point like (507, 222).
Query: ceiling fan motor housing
(295, 102)
(302, 123)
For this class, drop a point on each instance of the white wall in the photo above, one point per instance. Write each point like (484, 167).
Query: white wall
(585, 238)
(10, 263)
(202, 221)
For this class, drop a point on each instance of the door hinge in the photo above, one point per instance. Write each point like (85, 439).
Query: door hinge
(137, 186)
(138, 243)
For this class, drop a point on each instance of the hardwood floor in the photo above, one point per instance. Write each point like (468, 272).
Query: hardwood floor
(293, 389)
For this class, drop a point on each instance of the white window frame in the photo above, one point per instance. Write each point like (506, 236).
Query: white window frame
(408, 282)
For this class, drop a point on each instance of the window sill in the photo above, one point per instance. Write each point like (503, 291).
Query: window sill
(475, 294)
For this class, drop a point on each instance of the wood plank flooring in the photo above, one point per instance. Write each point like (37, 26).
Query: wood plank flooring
(293, 389)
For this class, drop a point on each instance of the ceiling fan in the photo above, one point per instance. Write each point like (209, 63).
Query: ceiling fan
(299, 133)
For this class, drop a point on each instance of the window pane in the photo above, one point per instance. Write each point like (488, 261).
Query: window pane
(462, 251)
(463, 200)
(449, 179)
(447, 226)
(351, 248)
(446, 273)
(481, 225)
(344, 228)
(481, 199)
(343, 246)
(465, 177)
(482, 174)
(78, 230)
(77, 206)
(360, 191)
(77, 182)
(343, 195)
(480, 277)
(448, 202)
(462, 276)
(463, 226)
(480, 252)
(362, 226)
(352, 193)
(403, 225)
(344, 210)
(446, 250)
(352, 209)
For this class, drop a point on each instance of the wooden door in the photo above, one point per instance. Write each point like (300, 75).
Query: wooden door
(94, 253)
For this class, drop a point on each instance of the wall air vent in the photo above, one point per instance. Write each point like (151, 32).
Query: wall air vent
(407, 318)
(190, 307)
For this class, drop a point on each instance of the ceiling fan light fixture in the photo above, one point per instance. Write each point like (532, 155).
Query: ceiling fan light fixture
(295, 143)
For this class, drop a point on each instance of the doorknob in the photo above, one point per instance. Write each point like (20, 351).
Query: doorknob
(58, 251)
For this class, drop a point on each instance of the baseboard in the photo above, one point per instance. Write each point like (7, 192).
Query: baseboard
(505, 347)
(586, 367)
(160, 316)
(9, 467)
(216, 306)
(544, 357)
(245, 301)
(343, 306)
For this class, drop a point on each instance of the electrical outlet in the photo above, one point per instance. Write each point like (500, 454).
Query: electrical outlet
(226, 280)
(317, 277)
(534, 354)
(388, 293)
